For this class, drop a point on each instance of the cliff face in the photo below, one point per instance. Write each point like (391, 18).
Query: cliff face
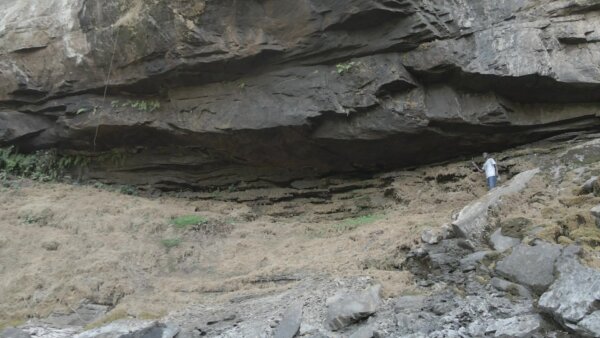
(214, 92)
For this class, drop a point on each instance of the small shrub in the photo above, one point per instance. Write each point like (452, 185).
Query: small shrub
(43, 165)
(128, 190)
(170, 243)
(188, 220)
(342, 68)
(115, 157)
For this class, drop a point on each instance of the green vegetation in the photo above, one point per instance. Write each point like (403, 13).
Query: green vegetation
(115, 157)
(353, 223)
(183, 222)
(128, 190)
(170, 243)
(141, 105)
(346, 225)
(345, 67)
(4, 324)
(43, 165)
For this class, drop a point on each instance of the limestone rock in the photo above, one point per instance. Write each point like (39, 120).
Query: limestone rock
(344, 309)
(502, 243)
(131, 328)
(590, 325)
(409, 303)
(430, 237)
(573, 298)
(589, 185)
(14, 333)
(532, 266)
(472, 221)
(596, 213)
(521, 326)
(470, 261)
(290, 323)
(363, 332)
(513, 288)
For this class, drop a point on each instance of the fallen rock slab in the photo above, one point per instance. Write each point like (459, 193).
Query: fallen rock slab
(472, 221)
(290, 324)
(344, 309)
(574, 297)
(531, 265)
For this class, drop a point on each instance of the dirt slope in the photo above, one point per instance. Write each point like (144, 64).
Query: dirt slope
(61, 243)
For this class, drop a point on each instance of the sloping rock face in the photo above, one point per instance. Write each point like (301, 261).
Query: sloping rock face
(292, 88)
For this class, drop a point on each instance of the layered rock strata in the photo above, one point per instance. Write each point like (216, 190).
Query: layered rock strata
(272, 88)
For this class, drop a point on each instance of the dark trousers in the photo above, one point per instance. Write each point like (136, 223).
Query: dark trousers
(492, 181)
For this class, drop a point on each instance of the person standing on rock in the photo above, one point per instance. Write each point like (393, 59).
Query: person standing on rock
(491, 170)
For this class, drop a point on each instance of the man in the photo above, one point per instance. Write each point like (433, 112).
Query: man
(491, 170)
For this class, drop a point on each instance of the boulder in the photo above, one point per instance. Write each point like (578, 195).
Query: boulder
(290, 323)
(502, 243)
(132, 329)
(596, 213)
(430, 236)
(531, 265)
(472, 221)
(344, 309)
(574, 297)
(589, 186)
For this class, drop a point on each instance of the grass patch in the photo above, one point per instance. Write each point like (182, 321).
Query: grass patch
(112, 316)
(5, 324)
(170, 243)
(183, 222)
(346, 225)
(353, 223)
(152, 315)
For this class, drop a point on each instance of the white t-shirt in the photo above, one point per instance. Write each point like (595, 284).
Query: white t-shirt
(490, 167)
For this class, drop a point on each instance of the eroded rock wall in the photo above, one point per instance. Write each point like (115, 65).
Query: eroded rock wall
(292, 88)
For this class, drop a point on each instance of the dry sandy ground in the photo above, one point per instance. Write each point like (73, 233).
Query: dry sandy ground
(60, 244)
